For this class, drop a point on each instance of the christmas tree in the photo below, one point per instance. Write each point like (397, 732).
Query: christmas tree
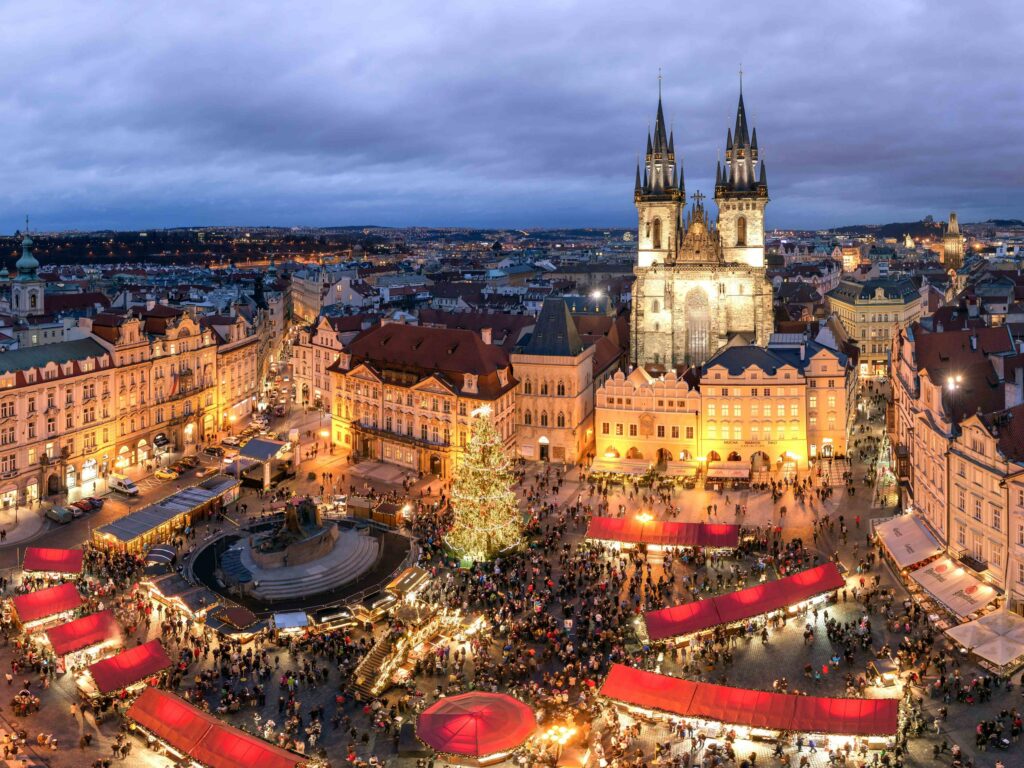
(487, 518)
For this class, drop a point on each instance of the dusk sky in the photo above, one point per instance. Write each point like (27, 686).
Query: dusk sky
(519, 114)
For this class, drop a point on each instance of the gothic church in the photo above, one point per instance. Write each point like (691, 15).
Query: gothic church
(699, 285)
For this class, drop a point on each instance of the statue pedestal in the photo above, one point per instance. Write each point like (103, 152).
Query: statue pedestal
(312, 548)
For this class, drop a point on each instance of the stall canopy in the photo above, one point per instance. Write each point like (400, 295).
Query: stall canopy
(954, 586)
(745, 604)
(476, 724)
(129, 667)
(46, 602)
(53, 560)
(907, 540)
(82, 633)
(203, 737)
(291, 620)
(163, 553)
(997, 637)
(754, 709)
(729, 470)
(630, 530)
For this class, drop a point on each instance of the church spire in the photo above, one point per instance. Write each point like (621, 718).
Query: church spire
(661, 176)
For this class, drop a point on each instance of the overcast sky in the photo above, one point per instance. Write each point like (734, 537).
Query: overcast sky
(478, 113)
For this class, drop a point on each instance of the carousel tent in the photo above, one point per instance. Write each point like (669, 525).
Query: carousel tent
(754, 709)
(745, 604)
(202, 736)
(475, 724)
(46, 602)
(82, 633)
(907, 540)
(953, 585)
(129, 667)
(43, 559)
(630, 530)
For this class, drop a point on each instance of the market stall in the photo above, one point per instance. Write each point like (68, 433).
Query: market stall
(642, 530)
(761, 710)
(478, 725)
(408, 583)
(96, 632)
(291, 621)
(952, 585)
(190, 732)
(174, 591)
(127, 669)
(996, 638)
(39, 609)
(769, 596)
(65, 562)
(907, 540)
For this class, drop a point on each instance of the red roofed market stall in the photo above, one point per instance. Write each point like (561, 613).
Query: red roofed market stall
(745, 604)
(43, 604)
(751, 709)
(204, 738)
(86, 632)
(637, 530)
(129, 667)
(476, 724)
(45, 560)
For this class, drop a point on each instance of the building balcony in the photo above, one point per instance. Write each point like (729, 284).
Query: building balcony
(976, 564)
(399, 437)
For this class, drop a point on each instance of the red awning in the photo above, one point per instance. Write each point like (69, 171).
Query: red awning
(46, 602)
(53, 560)
(202, 736)
(129, 667)
(476, 724)
(745, 604)
(84, 632)
(754, 709)
(629, 530)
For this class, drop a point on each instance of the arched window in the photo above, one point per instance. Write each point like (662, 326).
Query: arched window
(561, 389)
(32, 298)
(656, 239)
(741, 230)
(527, 387)
(561, 419)
(544, 388)
(655, 306)
(543, 419)
(527, 418)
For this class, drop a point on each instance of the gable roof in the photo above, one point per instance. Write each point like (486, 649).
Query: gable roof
(555, 333)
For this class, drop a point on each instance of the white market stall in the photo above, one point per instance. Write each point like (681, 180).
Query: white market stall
(907, 540)
(953, 585)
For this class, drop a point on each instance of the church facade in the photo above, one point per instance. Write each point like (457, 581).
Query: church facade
(700, 285)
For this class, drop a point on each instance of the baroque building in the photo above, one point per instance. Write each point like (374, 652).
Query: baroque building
(699, 285)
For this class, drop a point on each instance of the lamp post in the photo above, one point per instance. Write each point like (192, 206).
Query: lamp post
(953, 384)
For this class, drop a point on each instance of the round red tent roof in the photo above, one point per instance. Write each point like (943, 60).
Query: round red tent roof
(476, 724)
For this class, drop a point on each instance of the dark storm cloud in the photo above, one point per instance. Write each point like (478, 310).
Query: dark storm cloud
(522, 114)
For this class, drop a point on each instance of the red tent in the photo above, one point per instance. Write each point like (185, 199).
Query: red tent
(745, 604)
(46, 602)
(755, 709)
(53, 560)
(84, 632)
(129, 667)
(476, 724)
(630, 530)
(202, 736)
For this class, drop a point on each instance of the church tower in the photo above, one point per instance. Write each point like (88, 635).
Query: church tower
(27, 289)
(659, 196)
(953, 245)
(741, 193)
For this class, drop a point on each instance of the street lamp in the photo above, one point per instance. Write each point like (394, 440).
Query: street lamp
(953, 383)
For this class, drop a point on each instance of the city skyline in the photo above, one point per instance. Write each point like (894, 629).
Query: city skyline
(513, 117)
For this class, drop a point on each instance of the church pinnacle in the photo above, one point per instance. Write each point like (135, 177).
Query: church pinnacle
(661, 176)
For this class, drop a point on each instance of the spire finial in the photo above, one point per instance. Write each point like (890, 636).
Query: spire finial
(741, 78)
(26, 223)
(659, 83)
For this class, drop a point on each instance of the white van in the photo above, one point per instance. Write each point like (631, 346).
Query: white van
(123, 485)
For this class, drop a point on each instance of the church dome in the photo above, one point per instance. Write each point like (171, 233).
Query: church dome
(27, 264)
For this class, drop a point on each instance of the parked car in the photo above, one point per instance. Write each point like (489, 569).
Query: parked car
(123, 485)
(213, 450)
(82, 505)
(62, 515)
(204, 471)
(165, 473)
(97, 503)
(230, 440)
(189, 461)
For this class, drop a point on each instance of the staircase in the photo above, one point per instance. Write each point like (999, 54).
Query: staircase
(369, 668)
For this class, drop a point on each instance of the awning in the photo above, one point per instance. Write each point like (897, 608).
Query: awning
(291, 620)
(681, 468)
(129, 667)
(53, 560)
(408, 581)
(82, 633)
(475, 724)
(630, 530)
(754, 709)
(164, 553)
(46, 602)
(997, 637)
(262, 449)
(620, 466)
(161, 440)
(739, 606)
(202, 736)
(735, 473)
(954, 586)
(907, 539)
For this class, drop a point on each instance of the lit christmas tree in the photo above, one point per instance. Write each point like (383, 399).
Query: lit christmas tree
(487, 517)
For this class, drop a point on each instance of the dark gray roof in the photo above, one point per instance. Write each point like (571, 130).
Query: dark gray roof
(851, 291)
(555, 333)
(149, 518)
(60, 352)
(261, 449)
(738, 359)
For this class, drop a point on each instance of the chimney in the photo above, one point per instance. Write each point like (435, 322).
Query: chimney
(485, 334)
(974, 343)
(803, 351)
(150, 304)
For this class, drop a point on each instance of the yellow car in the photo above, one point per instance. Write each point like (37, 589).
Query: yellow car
(165, 474)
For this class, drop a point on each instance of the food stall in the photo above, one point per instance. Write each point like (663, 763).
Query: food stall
(291, 622)
(643, 529)
(56, 562)
(45, 608)
(752, 715)
(174, 591)
(126, 671)
(788, 593)
(84, 640)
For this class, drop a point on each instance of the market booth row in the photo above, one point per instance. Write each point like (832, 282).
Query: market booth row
(190, 732)
(44, 608)
(127, 670)
(84, 640)
(755, 714)
(642, 529)
(58, 562)
(767, 597)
